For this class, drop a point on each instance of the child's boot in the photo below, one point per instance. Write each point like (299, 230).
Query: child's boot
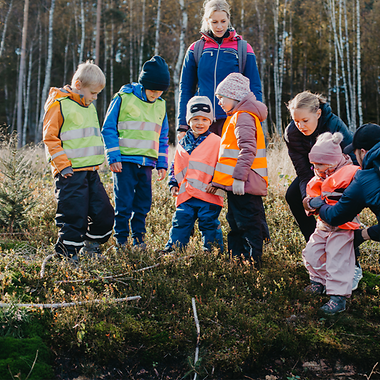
(336, 304)
(315, 288)
(138, 242)
(91, 249)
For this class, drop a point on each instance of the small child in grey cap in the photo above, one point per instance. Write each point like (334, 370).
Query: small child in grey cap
(190, 176)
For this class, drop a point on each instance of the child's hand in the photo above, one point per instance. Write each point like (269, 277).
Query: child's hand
(211, 189)
(180, 135)
(306, 204)
(116, 167)
(161, 174)
(174, 190)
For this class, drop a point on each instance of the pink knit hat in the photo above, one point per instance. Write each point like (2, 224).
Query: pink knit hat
(234, 86)
(327, 149)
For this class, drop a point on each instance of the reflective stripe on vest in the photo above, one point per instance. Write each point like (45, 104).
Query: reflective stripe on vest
(338, 180)
(139, 125)
(80, 134)
(194, 172)
(229, 152)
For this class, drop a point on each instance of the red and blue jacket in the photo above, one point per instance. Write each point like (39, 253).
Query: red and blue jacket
(216, 62)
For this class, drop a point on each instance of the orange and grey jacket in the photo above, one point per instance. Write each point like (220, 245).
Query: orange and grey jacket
(71, 132)
(194, 172)
(331, 189)
(242, 154)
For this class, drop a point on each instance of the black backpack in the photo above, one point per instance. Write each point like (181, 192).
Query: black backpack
(242, 52)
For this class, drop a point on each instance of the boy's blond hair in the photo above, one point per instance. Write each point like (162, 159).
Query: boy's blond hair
(89, 74)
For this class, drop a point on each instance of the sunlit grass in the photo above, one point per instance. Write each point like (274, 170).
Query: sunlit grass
(253, 323)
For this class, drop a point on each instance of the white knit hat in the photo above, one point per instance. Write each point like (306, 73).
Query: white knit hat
(234, 86)
(199, 106)
(327, 149)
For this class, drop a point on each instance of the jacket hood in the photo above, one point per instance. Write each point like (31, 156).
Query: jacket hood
(372, 158)
(56, 93)
(250, 104)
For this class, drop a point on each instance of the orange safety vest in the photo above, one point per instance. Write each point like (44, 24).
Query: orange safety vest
(229, 152)
(194, 172)
(327, 189)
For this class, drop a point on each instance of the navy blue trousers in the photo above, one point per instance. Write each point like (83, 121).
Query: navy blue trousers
(183, 223)
(84, 211)
(246, 217)
(133, 199)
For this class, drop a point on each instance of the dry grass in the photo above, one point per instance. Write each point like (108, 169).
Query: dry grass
(253, 324)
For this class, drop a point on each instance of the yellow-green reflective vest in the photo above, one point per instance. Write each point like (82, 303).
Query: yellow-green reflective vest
(80, 134)
(139, 125)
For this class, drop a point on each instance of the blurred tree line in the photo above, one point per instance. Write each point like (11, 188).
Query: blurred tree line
(326, 46)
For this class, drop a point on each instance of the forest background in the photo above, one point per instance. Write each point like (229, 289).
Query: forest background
(326, 46)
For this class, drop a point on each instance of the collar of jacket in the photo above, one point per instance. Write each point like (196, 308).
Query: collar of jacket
(372, 155)
(231, 37)
(137, 89)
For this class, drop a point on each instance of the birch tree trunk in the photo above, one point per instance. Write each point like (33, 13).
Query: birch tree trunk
(83, 25)
(45, 88)
(341, 55)
(329, 80)
(5, 28)
(349, 76)
(38, 75)
(181, 55)
(260, 18)
(27, 97)
(105, 68)
(158, 21)
(131, 41)
(112, 53)
(276, 58)
(279, 64)
(97, 41)
(21, 74)
(333, 25)
(142, 36)
(242, 14)
(358, 62)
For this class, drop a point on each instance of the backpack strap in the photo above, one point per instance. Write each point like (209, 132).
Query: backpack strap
(198, 50)
(241, 47)
(242, 54)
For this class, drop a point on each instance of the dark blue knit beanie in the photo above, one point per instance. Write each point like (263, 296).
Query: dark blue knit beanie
(155, 74)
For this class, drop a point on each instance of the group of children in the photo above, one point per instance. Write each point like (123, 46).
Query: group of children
(205, 168)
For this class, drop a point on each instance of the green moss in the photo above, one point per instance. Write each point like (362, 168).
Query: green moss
(18, 355)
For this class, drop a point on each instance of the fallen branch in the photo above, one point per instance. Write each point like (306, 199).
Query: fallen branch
(373, 369)
(47, 258)
(99, 278)
(198, 334)
(66, 304)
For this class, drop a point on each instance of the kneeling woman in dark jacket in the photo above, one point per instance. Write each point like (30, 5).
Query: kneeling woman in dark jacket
(311, 116)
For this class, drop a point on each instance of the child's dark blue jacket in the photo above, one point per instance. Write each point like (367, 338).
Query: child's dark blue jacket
(111, 136)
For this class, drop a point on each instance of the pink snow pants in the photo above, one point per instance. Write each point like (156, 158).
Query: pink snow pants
(330, 259)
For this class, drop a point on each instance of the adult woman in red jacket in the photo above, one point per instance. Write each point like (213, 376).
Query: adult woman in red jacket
(219, 58)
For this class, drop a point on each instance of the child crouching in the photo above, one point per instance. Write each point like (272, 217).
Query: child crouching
(242, 167)
(329, 254)
(190, 176)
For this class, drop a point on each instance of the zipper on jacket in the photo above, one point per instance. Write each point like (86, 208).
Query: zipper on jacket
(216, 65)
